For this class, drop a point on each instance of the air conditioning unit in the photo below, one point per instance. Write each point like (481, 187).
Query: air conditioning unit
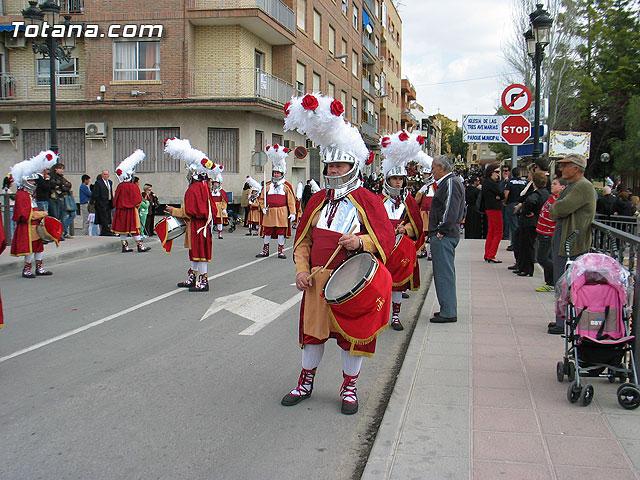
(15, 42)
(95, 130)
(290, 144)
(8, 131)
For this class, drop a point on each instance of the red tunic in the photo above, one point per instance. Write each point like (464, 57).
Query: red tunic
(24, 240)
(126, 201)
(199, 207)
(221, 201)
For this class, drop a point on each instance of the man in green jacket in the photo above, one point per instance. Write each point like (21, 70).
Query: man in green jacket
(574, 210)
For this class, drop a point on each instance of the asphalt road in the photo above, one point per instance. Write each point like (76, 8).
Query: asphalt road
(108, 371)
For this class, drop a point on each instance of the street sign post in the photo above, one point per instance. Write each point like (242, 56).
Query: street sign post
(482, 128)
(516, 98)
(515, 129)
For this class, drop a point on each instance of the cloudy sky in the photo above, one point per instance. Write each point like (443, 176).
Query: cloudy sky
(454, 40)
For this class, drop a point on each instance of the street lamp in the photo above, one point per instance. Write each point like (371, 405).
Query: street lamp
(537, 38)
(50, 48)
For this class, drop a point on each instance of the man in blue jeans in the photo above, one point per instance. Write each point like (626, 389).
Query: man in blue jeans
(447, 212)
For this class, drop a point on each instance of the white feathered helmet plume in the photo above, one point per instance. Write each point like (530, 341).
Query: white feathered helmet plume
(299, 191)
(278, 156)
(127, 167)
(254, 184)
(197, 164)
(315, 188)
(321, 119)
(398, 149)
(30, 169)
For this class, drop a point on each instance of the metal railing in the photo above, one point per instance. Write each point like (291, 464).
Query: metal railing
(30, 86)
(369, 46)
(367, 87)
(625, 248)
(238, 82)
(274, 8)
(15, 7)
(620, 222)
(368, 129)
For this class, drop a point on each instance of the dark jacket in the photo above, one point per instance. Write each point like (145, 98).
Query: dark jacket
(532, 205)
(490, 190)
(606, 205)
(447, 207)
(60, 186)
(43, 189)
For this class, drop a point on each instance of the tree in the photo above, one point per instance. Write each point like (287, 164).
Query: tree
(458, 145)
(626, 153)
(448, 129)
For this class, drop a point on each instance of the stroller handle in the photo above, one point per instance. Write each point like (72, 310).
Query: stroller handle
(567, 244)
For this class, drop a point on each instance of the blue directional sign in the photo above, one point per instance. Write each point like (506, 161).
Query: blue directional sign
(544, 131)
(526, 150)
(482, 128)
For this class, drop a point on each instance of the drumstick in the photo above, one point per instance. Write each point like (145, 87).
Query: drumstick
(335, 252)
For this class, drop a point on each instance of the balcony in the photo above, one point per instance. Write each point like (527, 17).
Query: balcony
(15, 7)
(275, 9)
(368, 129)
(246, 83)
(35, 88)
(367, 87)
(369, 46)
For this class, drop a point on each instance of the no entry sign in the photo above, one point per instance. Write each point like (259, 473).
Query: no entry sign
(515, 129)
(516, 98)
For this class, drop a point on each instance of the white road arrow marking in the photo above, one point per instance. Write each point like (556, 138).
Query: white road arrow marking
(252, 307)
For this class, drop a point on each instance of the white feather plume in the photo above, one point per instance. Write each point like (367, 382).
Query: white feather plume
(128, 165)
(255, 185)
(42, 161)
(278, 156)
(315, 188)
(424, 160)
(299, 190)
(399, 149)
(192, 157)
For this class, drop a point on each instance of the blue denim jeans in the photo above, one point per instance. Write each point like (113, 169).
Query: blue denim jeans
(43, 206)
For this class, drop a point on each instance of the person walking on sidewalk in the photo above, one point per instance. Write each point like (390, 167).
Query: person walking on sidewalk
(447, 212)
(85, 198)
(544, 230)
(492, 196)
(574, 210)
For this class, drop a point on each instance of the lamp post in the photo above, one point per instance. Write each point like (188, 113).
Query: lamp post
(537, 38)
(51, 49)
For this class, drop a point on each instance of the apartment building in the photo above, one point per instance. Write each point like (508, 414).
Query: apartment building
(408, 99)
(391, 62)
(219, 75)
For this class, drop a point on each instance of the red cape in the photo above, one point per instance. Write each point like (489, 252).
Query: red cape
(199, 206)
(125, 217)
(21, 241)
(372, 212)
(3, 245)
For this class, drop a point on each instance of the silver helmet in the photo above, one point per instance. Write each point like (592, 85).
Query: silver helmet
(341, 185)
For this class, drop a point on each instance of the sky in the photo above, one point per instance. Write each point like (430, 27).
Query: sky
(453, 40)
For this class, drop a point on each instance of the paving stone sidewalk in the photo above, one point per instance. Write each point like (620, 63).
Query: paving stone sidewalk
(479, 398)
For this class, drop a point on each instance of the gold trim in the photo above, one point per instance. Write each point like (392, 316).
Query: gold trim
(366, 284)
(370, 231)
(353, 340)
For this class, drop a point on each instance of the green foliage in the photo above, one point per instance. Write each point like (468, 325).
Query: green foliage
(458, 146)
(626, 153)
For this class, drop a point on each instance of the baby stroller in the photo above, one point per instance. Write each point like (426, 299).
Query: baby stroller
(233, 220)
(592, 295)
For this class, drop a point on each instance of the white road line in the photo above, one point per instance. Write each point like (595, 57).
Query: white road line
(118, 314)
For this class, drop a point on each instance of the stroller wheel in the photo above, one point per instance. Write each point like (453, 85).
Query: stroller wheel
(586, 395)
(573, 392)
(629, 396)
(560, 371)
(572, 372)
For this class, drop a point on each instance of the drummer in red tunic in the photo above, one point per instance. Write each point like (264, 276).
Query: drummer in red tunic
(126, 201)
(25, 241)
(279, 206)
(197, 209)
(424, 198)
(221, 200)
(404, 215)
(344, 214)
(253, 219)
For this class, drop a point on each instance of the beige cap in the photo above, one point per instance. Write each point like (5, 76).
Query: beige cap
(575, 158)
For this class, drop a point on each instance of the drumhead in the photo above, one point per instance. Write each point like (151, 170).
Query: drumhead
(350, 276)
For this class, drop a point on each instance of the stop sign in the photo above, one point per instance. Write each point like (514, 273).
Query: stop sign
(516, 129)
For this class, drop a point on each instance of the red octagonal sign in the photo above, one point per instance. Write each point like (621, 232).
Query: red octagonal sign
(516, 129)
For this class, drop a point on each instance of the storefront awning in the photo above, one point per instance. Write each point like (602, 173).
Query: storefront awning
(9, 28)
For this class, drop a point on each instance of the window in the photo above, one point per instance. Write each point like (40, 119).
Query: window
(302, 14)
(354, 110)
(377, 8)
(151, 140)
(345, 6)
(259, 61)
(300, 74)
(344, 50)
(356, 16)
(332, 40)
(136, 61)
(316, 82)
(383, 83)
(376, 44)
(66, 72)
(383, 14)
(223, 148)
(70, 146)
(354, 63)
(259, 136)
(317, 27)
(331, 90)
(343, 99)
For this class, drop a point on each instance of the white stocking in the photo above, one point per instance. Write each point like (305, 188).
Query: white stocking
(311, 355)
(123, 237)
(194, 266)
(396, 297)
(137, 238)
(219, 227)
(39, 256)
(280, 239)
(202, 268)
(351, 363)
(28, 258)
(267, 239)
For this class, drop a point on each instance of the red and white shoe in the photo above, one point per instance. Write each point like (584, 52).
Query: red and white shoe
(26, 271)
(191, 279)
(302, 391)
(348, 392)
(40, 270)
(202, 284)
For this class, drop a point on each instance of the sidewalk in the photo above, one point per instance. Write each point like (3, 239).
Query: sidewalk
(71, 249)
(479, 398)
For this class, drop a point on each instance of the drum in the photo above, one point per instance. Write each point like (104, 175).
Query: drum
(358, 293)
(402, 260)
(171, 227)
(49, 229)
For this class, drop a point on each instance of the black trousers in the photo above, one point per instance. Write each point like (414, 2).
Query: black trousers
(527, 250)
